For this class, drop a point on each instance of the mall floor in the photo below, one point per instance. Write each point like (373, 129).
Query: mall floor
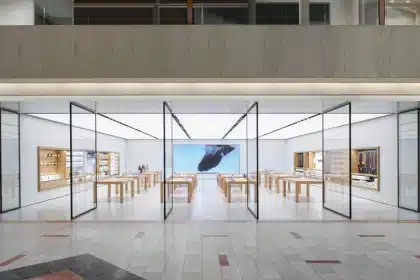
(209, 240)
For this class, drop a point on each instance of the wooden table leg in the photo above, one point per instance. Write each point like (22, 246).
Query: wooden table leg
(284, 188)
(126, 187)
(121, 192)
(229, 193)
(308, 194)
(278, 185)
(138, 184)
(288, 186)
(161, 191)
(95, 192)
(132, 188)
(116, 189)
(297, 187)
(190, 191)
(255, 193)
(109, 190)
(269, 182)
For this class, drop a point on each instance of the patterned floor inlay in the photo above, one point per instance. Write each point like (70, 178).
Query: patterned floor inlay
(223, 260)
(62, 275)
(11, 260)
(371, 235)
(296, 235)
(55, 235)
(86, 267)
(323, 261)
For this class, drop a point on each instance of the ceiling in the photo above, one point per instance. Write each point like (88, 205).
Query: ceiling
(207, 126)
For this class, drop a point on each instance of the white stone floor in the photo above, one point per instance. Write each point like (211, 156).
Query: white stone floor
(208, 204)
(255, 251)
(132, 236)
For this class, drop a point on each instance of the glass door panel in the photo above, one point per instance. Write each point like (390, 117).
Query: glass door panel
(81, 161)
(10, 160)
(336, 143)
(168, 201)
(252, 159)
(408, 150)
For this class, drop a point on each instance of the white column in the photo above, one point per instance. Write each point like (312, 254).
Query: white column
(304, 12)
(17, 12)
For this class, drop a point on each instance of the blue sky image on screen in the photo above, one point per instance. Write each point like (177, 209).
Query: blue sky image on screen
(188, 156)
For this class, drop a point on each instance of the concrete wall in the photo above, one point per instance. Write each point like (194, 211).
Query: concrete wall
(209, 52)
(17, 12)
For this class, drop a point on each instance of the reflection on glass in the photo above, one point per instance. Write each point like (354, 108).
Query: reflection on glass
(10, 160)
(336, 158)
(82, 161)
(53, 12)
(402, 13)
(369, 12)
(408, 159)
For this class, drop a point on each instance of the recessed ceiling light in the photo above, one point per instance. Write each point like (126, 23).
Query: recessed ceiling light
(407, 1)
(392, 1)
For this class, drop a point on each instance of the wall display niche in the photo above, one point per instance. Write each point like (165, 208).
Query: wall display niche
(54, 167)
(365, 168)
(308, 164)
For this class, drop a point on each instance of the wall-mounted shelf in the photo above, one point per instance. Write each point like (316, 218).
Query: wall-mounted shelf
(54, 166)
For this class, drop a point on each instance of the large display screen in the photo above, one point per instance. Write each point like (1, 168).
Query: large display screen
(206, 158)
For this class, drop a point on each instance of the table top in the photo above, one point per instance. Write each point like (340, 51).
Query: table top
(240, 180)
(115, 180)
(178, 180)
(303, 180)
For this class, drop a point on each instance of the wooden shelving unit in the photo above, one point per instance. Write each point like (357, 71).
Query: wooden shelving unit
(54, 167)
(365, 167)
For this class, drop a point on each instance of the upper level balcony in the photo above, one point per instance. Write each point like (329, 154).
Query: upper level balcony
(266, 12)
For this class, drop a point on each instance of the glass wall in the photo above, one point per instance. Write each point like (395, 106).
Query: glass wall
(408, 169)
(53, 12)
(336, 143)
(82, 160)
(10, 160)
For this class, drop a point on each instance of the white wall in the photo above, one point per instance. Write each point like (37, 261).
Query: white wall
(17, 12)
(150, 152)
(380, 132)
(37, 132)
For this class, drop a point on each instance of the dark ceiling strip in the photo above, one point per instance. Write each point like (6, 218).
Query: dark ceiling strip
(235, 125)
(278, 129)
(109, 118)
(180, 125)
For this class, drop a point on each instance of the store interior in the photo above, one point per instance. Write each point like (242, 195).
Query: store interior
(127, 146)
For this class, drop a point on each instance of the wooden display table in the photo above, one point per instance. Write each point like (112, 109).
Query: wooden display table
(272, 176)
(277, 177)
(191, 176)
(178, 181)
(119, 186)
(140, 178)
(298, 183)
(241, 181)
(152, 176)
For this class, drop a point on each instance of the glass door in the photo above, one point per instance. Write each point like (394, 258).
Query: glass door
(81, 160)
(168, 172)
(408, 167)
(251, 120)
(10, 160)
(336, 148)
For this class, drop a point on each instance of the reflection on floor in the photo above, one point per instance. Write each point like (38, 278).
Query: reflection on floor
(208, 204)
